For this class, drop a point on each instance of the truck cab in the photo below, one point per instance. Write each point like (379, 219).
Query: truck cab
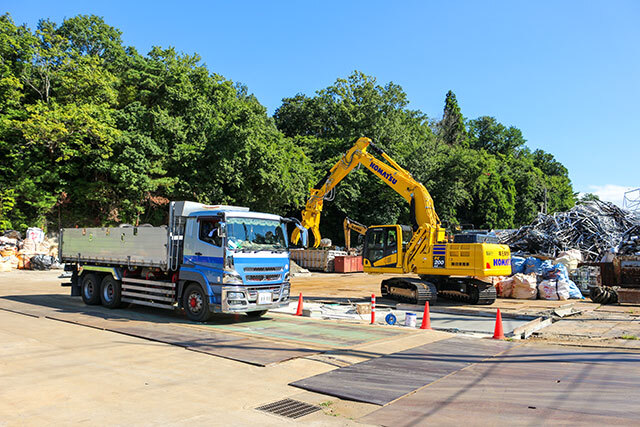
(240, 257)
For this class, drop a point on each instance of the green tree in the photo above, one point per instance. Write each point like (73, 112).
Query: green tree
(493, 195)
(7, 203)
(452, 128)
(21, 61)
(560, 196)
(486, 133)
(327, 125)
(529, 184)
(89, 35)
(587, 197)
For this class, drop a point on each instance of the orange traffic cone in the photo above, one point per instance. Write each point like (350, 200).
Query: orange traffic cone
(426, 321)
(299, 310)
(498, 333)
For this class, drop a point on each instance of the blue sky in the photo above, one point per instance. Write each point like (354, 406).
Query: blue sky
(567, 73)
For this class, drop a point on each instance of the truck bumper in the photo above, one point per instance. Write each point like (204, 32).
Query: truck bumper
(243, 299)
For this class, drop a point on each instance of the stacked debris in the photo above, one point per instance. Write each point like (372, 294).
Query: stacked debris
(630, 244)
(593, 227)
(35, 252)
(316, 259)
(545, 279)
(9, 242)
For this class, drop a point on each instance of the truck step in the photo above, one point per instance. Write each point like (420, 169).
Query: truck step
(148, 303)
(148, 289)
(152, 293)
(146, 296)
(149, 282)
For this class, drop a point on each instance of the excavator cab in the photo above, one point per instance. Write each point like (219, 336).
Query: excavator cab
(384, 247)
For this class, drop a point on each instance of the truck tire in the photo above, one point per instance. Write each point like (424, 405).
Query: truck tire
(111, 292)
(195, 303)
(91, 289)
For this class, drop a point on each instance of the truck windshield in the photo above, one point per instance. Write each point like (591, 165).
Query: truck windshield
(253, 234)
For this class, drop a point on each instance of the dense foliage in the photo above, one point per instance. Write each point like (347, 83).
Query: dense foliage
(479, 172)
(92, 132)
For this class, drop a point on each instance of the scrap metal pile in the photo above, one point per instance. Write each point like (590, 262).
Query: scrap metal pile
(630, 244)
(593, 227)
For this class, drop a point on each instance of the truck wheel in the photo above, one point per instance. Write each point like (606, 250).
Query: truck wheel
(91, 289)
(256, 313)
(195, 304)
(110, 292)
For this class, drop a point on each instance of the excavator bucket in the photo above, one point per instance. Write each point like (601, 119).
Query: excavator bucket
(297, 233)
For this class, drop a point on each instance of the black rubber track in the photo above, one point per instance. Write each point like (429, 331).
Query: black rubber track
(426, 291)
(475, 295)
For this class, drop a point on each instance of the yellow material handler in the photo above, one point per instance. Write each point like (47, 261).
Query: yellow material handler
(348, 224)
(458, 270)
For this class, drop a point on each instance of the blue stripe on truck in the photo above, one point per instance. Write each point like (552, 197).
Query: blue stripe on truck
(198, 259)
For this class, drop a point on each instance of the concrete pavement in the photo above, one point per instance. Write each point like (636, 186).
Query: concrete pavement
(54, 372)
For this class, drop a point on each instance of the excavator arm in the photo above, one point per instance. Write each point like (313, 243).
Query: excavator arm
(391, 173)
(348, 225)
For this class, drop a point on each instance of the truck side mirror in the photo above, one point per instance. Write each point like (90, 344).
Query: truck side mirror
(222, 229)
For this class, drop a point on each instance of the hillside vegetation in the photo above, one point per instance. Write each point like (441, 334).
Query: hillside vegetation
(94, 133)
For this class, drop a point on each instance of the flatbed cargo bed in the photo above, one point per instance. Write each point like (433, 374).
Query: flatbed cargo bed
(127, 246)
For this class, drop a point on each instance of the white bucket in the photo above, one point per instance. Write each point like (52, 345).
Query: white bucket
(410, 320)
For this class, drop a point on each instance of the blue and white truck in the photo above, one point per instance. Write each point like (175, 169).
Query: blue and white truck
(209, 259)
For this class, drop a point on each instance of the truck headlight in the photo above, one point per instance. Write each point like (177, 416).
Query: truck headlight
(235, 295)
(232, 278)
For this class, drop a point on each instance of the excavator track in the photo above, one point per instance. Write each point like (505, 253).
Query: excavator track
(474, 295)
(409, 290)
(464, 289)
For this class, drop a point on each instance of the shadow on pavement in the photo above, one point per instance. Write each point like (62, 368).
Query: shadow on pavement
(66, 304)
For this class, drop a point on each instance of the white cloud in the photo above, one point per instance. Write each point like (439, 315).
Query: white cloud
(610, 192)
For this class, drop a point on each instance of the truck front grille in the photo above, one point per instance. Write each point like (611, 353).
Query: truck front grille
(262, 277)
(262, 269)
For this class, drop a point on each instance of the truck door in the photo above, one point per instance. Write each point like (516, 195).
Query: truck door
(203, 248)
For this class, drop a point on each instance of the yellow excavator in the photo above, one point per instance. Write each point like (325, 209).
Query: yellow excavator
(348, 224)
(456, 270)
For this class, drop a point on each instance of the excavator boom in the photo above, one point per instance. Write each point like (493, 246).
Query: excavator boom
(391, 173)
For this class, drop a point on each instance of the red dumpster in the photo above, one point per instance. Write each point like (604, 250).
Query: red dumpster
(347, 264)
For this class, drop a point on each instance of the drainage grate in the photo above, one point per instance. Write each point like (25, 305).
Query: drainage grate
(289, 408)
